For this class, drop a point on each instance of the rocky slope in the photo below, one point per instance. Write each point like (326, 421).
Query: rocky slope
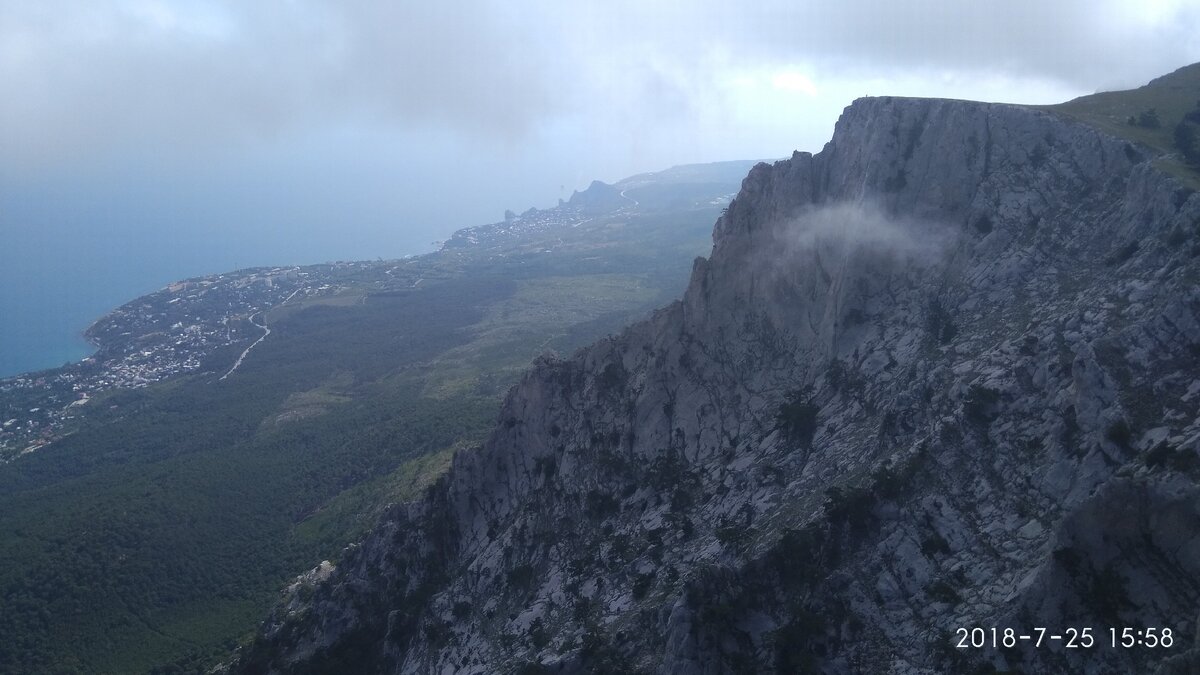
(944, 374)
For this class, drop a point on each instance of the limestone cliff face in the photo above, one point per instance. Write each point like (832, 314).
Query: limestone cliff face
(944, 374)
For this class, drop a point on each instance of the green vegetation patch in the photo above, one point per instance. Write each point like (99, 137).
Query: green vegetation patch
(359, 507)
(1150, 116)
(538, 316)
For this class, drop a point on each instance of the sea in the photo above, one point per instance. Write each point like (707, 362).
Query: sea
(47, 304)
(35, 337)
(73, 251)
(80, 241)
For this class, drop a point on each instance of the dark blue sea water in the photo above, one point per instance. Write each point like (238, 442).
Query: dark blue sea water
(35, 337)
(52, 287)
(50, 294)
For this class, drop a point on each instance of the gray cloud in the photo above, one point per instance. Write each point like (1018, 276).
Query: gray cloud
(1078, 42)
(75, 76)
(78, 76)
(147, 140)
(848, 230)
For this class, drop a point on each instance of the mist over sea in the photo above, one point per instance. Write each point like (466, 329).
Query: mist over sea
(67, 259)
(77, 243)
(80, 239)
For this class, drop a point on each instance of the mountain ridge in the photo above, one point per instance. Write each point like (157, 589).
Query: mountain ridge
(911, 362)
(151, 510)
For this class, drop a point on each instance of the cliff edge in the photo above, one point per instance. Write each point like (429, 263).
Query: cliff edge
(943, 375)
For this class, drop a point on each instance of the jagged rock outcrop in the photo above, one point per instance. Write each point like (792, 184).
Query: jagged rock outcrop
(598, 195)
(944, 374)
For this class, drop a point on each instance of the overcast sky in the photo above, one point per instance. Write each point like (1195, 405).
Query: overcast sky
(196, 135)
(424, 117)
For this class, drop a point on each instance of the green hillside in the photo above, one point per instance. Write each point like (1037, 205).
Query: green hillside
(160, 531)
(1170, 97)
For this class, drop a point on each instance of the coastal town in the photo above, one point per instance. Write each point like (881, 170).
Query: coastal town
(209, 324)
(190, 326)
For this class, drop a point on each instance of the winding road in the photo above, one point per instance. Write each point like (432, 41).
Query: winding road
(266, 332)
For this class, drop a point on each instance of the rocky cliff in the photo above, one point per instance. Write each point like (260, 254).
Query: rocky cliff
(944, 374)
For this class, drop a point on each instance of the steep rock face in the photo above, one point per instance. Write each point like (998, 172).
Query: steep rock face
(944, 374)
